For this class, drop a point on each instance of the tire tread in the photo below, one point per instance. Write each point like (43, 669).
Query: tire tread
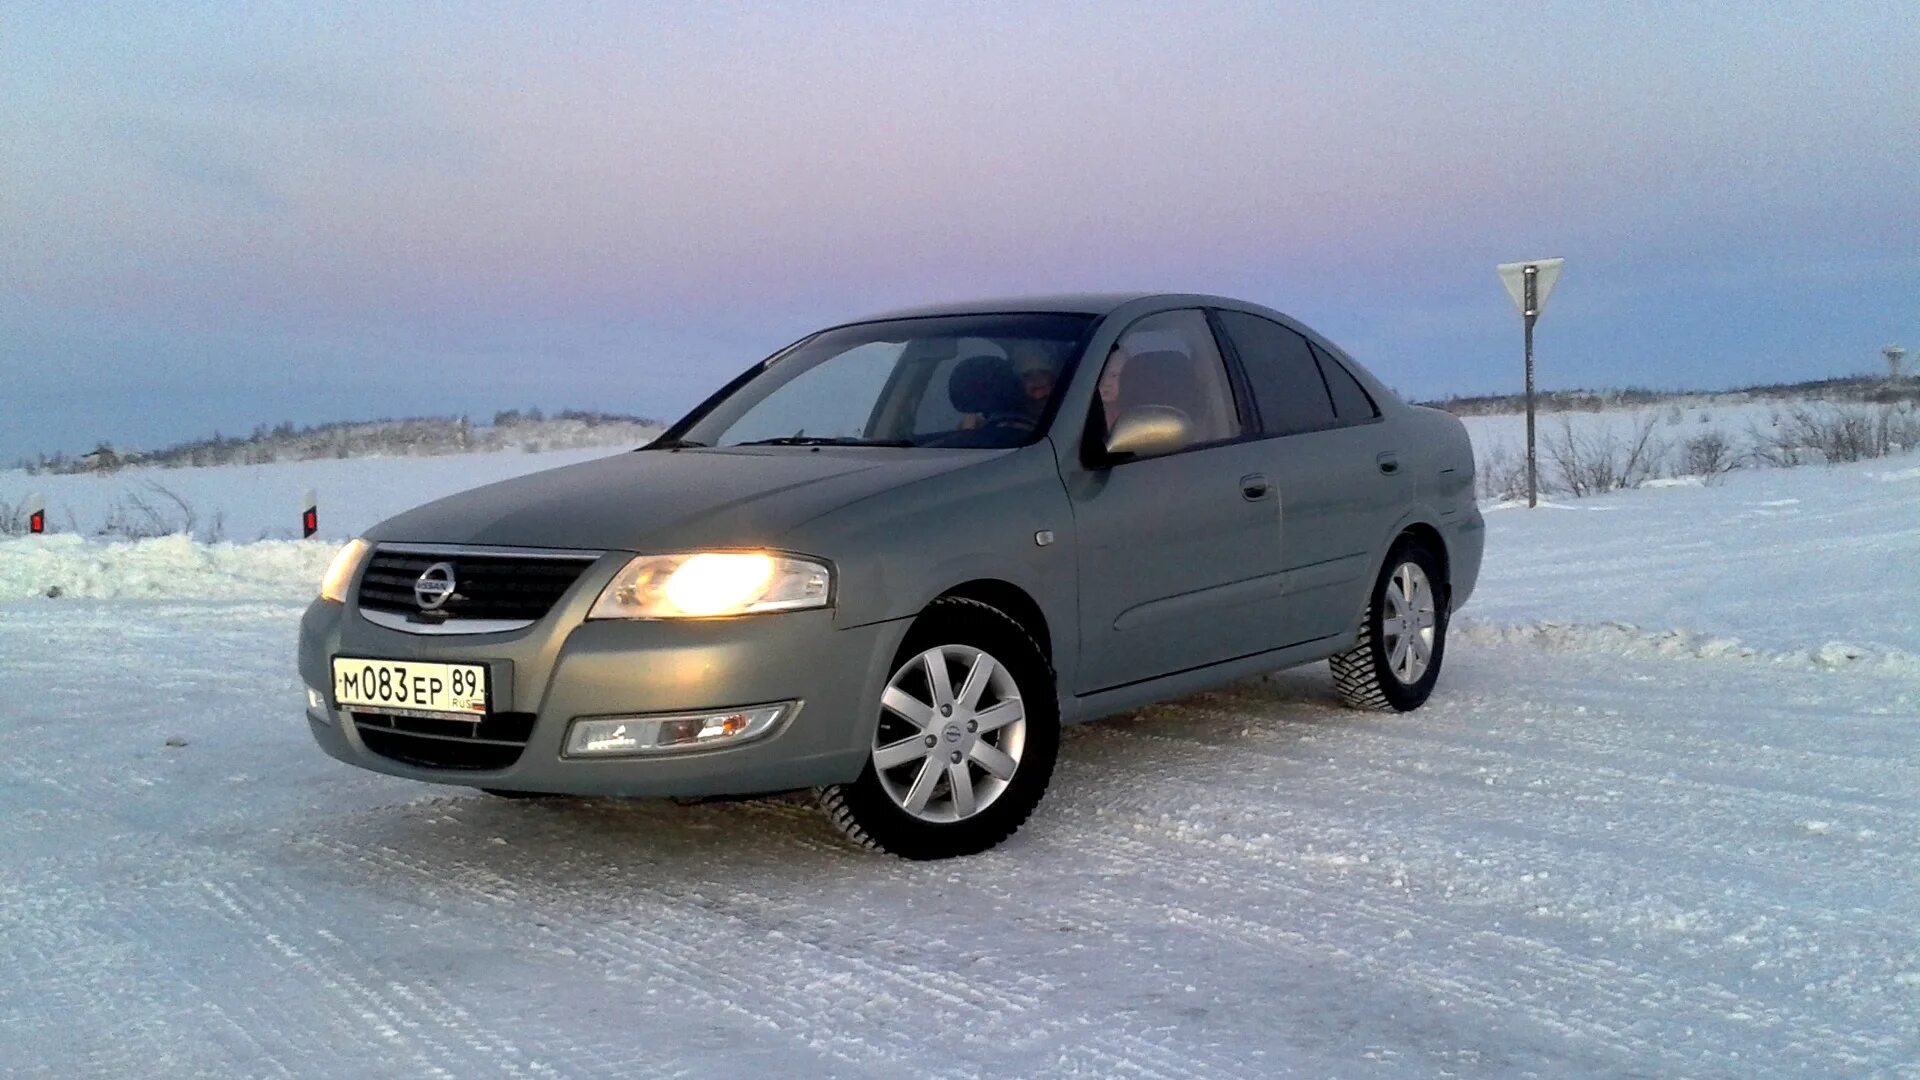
(833, 798)
(1358, 677)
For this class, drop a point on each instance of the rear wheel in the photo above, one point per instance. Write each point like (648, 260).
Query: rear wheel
(968, 731)
(1393, 667)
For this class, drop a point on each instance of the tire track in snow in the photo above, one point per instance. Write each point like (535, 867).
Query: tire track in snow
(768, 986)
(1593, 978)
(1367, 926)
(1663, 814)
(346, 979)
(1122, 1051)
(662, 951)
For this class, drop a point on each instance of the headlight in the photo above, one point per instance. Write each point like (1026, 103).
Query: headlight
(709, 583)
(340, 571)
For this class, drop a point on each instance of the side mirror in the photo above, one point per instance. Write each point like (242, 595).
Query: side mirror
(1149, 431)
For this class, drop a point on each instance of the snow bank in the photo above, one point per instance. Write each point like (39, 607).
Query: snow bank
(1628, 640)
(1783, 560)
(170, 567)
(263, 502)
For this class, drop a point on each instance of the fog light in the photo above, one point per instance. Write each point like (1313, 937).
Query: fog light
(315, 699)
(617, 736)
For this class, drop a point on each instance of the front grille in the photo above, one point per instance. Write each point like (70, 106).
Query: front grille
(505, 585)
(490, 742)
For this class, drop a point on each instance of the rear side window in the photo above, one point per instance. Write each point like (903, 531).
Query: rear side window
(1287, 386)
(1350, 399)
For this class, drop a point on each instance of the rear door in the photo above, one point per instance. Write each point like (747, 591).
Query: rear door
(1179, 555)
(1333, 474)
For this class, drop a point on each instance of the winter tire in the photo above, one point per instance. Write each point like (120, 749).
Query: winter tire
(968, 731)
(1393, 667)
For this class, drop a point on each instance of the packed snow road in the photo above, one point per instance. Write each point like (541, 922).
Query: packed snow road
(1569, 863)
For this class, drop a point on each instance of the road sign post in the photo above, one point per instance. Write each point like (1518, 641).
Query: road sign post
(1528, 284)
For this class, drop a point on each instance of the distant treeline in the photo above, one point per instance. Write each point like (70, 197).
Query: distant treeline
(1862, 389)
(417, 436)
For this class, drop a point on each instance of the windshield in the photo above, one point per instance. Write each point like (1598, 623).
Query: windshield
(955, 380)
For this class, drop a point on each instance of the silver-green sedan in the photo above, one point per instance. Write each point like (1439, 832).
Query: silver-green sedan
(891, 560)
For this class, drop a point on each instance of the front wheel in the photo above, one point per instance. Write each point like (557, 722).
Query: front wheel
(1393, 667)
(968, 731)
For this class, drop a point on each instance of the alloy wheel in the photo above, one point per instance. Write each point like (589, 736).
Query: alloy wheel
(1408, 623)
(951, 732)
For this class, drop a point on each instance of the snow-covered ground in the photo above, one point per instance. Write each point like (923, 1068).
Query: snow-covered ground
(1689, 846)
(1672, 421)
(1813, 563)
(253, 502)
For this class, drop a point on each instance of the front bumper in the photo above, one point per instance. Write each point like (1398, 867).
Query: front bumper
(562, 668)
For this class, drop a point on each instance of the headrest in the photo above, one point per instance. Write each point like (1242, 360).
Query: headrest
(1162, 377)
(985, 385)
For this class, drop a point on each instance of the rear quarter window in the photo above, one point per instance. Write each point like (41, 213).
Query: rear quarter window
(1350, 400)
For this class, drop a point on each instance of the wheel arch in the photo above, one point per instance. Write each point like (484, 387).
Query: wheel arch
(1012, 600)
(1432, 538)
(1418, 526)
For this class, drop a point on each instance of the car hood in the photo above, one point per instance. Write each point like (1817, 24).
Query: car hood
(660, 500)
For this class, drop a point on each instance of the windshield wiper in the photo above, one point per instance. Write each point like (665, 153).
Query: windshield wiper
(825, 440)
(672, 444)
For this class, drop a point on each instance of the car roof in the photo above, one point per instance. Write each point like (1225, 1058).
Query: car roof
(1062, 303)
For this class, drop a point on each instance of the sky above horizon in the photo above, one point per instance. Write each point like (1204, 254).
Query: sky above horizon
(217, 216)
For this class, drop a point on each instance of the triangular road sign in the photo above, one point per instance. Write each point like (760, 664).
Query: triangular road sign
(1513, 275)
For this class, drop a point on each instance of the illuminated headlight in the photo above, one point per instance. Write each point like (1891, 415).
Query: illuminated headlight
(315, 699)
(621, 736)
(707, 583)
(340, 571)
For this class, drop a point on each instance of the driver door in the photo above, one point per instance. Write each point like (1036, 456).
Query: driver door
(1179, 555)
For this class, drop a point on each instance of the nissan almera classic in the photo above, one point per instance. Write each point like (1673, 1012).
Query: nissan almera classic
(890, 561)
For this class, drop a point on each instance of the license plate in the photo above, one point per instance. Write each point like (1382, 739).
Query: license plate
(410, 686)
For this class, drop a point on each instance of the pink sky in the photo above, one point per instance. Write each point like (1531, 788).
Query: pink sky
(236, 208)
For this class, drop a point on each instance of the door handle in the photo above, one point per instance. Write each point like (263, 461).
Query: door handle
(1389, 462)
(1254, 487)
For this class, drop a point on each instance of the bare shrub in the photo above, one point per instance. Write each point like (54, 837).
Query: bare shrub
(1597, 462)
(130, 524)
(161, 512)
(1841, 434)
(1900, 427)
(1709, 455)
(1501, 475)
(1775, 447)
(13, 518)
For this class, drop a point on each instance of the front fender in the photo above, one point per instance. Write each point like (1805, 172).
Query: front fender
(898, 550)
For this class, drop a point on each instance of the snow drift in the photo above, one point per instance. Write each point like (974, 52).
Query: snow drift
(169, 567)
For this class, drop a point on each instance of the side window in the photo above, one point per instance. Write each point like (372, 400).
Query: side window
(1279, 363)
(1350, 400)
(1170, 361)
